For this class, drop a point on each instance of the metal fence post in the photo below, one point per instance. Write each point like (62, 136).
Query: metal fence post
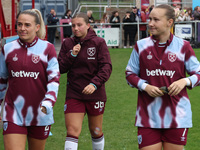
(195, 31)
(120, 35)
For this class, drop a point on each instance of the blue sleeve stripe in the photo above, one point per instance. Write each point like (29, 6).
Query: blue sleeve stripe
(3, 67)
(192, 65)
(133, 63)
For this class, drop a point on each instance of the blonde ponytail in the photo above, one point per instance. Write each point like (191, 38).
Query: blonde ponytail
(42, 31)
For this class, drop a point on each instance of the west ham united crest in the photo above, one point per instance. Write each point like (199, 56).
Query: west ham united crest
(65, 107)
(172, 57)
(35, 58)
(5, 126)
(139, 139)
(91, 51)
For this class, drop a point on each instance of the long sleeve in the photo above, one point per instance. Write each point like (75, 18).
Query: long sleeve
(3, 76)
(32, 72)
(133, 70)
(92, 65)
(146, 66)
(125, 20)
(111, 19)
(196, 15)
(52, 19)
(105, 66)
(55, 19)
(192, 66)
(53, 80)
(65, 58)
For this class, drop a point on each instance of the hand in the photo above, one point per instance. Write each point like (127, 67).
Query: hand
(43, 109)
(89, 89)
(76, 49)
(176, 87)
(153, 91)
(127, 17)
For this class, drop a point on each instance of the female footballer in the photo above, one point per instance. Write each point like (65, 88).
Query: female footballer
(86, 60)
(157, 67)
(30, 73)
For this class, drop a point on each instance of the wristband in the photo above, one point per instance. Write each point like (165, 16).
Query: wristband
(188, 82)
(144, 86)
(73, 54)
(94, 86)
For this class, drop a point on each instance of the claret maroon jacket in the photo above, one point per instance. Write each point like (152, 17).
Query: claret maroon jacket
(91, 65)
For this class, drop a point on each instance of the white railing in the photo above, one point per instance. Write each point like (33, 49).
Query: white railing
(194, 39)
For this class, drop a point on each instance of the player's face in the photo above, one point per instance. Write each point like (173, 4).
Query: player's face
(27, 28)
(159, 24)
(79, 27)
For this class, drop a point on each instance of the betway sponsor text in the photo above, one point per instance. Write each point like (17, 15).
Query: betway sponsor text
(24, 74)
(159, 72)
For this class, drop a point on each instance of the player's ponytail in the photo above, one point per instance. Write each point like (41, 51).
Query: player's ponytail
(42, 31)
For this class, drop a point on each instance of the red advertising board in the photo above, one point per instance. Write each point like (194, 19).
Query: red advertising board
(175, 2)
(145, 2)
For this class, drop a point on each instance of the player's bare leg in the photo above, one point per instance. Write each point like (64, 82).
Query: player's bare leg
(170, 146)
(95, 126)
(36, 144)
(73, 123)
(14, 141)
(157, 146)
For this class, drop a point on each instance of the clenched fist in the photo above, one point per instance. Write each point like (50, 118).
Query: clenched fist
(76, 49)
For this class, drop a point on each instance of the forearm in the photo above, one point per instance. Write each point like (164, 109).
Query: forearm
(102, 76)
(134, 81)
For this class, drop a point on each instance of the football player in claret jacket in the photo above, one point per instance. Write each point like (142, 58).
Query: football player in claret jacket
(157, 68)
(29, 81)
(86, 60)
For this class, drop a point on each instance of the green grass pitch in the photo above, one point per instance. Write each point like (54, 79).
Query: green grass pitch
(118, 126)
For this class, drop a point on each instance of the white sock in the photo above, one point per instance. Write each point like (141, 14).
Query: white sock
(71, 143)
(98, 143)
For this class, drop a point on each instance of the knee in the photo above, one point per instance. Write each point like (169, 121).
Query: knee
(73, 131)
(96, 132)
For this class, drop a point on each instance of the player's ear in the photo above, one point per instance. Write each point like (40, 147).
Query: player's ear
(170, 22)
(88, 26)
(37, 27)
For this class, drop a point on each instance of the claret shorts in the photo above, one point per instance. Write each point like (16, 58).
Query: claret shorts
(150, 136)
(37, 132)
(94, 108)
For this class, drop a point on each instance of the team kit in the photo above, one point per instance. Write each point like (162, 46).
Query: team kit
(30, 71)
